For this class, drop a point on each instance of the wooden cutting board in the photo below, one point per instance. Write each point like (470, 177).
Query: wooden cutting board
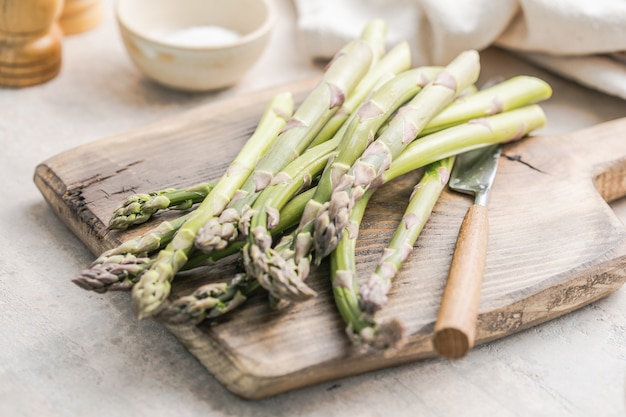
(555, 245)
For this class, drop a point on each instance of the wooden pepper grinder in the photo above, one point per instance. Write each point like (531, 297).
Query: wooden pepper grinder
(80, 16)
(30, 41)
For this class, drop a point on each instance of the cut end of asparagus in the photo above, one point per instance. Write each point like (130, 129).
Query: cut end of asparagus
(387, 337)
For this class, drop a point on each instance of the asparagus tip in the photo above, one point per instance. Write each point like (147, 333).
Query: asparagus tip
(150, 294)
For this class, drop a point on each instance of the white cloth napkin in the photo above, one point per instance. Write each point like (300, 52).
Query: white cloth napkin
(579, 39)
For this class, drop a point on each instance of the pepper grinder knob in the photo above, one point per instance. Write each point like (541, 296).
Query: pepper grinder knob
(30, 41)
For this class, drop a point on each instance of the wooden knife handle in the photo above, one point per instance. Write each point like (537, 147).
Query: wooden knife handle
(455, 329)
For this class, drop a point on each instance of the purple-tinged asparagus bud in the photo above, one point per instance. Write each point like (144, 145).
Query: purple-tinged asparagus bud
(218, 233)
(115, 273)
(281, 275)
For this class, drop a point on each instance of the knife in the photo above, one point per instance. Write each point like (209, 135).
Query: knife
(455, 328)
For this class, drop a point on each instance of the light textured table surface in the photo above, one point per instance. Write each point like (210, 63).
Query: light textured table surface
(65, 352)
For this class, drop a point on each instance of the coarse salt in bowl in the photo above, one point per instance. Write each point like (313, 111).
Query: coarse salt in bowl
(195, 45)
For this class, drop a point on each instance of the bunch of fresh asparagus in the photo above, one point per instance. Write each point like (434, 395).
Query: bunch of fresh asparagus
(297, 191)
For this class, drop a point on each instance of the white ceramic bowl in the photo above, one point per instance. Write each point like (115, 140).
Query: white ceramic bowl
(188, 45)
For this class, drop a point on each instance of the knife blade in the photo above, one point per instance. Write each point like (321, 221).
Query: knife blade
(455, 329)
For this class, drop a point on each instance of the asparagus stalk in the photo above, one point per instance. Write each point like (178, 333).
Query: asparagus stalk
(421, 203)
(139, 208)
(499, 97)
(500, 128)
(154, 285)
(361, 329)
(122, 272)
(404, 128)
(343, 274)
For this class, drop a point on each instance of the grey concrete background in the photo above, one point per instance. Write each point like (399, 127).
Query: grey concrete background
(65, 352)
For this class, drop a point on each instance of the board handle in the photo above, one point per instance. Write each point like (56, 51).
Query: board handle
(455, 329)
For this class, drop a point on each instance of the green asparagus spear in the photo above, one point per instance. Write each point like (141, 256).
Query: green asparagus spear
(421, 203)
(500, 128)
(499, 97)
(361, 328)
